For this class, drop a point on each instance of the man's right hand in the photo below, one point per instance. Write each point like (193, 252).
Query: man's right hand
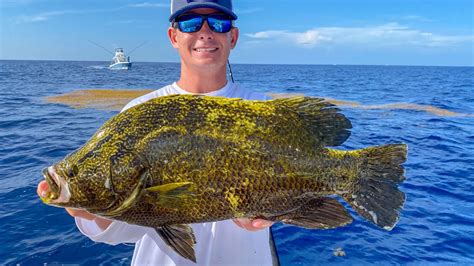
(103, 223)
(81, 214)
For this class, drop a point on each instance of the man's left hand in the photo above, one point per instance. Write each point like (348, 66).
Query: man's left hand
(253, 225)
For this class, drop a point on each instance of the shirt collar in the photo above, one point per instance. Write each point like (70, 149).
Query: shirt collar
(220, 92)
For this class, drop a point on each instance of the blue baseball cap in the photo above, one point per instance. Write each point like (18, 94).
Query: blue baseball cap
(178, 7)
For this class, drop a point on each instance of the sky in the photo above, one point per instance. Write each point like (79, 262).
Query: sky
(362, 32)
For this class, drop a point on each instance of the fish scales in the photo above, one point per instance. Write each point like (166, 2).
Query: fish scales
(186, 159)
(235, 188)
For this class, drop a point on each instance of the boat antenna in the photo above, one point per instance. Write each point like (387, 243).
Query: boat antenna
(230, 71)
(98, 45)
(134, 49)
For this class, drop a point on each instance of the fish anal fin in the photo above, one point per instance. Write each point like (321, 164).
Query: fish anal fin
(180, 238)
(319, 213)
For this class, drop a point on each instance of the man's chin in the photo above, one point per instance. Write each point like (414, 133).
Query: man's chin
(209, 62)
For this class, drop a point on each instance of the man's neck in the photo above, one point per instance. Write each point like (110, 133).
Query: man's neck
(204, 81)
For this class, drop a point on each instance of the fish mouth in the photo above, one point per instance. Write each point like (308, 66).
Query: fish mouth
(53, 183)
(58, 188)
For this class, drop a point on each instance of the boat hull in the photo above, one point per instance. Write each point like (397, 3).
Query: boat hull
(121, 65)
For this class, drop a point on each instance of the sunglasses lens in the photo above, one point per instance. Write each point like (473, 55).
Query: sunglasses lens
(190, 23)
(193, 23)
(219, 23)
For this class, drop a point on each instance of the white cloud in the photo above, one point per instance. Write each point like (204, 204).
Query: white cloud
(311, 38)
(308, 38)
(390, 34)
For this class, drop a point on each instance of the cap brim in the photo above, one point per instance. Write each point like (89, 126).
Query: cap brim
(202, 5)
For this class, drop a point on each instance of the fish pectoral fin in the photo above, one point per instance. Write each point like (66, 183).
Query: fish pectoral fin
(319, 213)
(173, 189)
(172, 194)
(180, 238)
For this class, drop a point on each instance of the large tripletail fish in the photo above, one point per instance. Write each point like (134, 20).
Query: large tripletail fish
(185, 159)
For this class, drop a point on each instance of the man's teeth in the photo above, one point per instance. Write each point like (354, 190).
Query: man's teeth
(205, 49)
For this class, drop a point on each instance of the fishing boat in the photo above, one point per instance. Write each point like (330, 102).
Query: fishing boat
(120, 61)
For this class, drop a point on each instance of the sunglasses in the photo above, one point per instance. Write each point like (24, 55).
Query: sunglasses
(219, 23)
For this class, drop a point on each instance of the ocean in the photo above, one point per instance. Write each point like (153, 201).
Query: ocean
(429, 108)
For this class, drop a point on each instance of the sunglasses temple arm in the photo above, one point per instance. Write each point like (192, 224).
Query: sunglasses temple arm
(230, 71)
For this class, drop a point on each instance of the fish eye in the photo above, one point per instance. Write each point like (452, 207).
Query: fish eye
(73, 171)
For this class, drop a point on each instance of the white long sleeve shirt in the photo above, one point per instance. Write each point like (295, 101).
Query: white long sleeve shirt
(218, 243)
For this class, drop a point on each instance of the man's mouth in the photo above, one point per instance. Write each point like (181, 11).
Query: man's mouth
(209, 50)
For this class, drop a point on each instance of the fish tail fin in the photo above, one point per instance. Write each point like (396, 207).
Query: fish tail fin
(376, 196)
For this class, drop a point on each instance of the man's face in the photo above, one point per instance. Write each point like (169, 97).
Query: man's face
(205, 48)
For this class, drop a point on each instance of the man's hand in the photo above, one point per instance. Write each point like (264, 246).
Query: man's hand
(253, 225)
(103, 223)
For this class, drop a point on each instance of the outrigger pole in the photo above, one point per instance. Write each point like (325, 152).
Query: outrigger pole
(134, 49)
(98, 45)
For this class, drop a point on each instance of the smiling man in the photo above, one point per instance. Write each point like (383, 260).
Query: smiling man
(203, 33)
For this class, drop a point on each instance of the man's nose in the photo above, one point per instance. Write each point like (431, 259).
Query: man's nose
(206, 32)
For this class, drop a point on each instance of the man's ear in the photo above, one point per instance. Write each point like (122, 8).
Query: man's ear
(234, 36)
(172, 35)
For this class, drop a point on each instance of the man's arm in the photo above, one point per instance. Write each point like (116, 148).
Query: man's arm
(103, 224)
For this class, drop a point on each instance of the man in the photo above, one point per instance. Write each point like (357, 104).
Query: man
(203, 34)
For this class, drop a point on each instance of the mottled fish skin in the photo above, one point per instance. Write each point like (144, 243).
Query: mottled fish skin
(117, 154)
(188, 159)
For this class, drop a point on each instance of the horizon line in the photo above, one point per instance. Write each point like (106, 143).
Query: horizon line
(246, 63)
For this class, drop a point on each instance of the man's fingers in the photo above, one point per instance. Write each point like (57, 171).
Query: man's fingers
(42, 191)
(101, 222)
(260, 223)
(253, 225)
(80, 213)
(42, 188)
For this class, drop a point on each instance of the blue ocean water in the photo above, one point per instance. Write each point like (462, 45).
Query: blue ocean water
(437, 222)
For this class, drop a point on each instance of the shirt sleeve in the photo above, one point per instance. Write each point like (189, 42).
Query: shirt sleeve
(117, 232)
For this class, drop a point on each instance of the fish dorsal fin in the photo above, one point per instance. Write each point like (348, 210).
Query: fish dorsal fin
(319, 213)
(172, 195)
(321, 118)
(180, 238)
